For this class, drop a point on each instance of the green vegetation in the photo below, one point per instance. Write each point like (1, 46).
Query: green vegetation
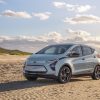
(13, 52)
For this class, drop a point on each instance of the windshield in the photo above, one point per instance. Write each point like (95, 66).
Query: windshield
(54, 49)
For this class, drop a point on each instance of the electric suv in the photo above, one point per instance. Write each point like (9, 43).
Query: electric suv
(62, 61)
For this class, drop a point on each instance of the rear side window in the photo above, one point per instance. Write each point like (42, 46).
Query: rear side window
(87, 50)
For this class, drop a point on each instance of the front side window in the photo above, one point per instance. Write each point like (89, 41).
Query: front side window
(54, 49)
(78, 50)
(86, 50)
(50, 50)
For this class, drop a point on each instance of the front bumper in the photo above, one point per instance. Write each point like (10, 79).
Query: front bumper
(35, 68)
(38, 74)
(39, 70)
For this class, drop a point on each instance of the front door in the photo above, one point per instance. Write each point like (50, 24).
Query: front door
(79, 63)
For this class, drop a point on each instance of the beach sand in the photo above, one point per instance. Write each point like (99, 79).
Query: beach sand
(13, 86)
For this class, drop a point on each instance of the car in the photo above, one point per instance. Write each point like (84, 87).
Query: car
(62, 61)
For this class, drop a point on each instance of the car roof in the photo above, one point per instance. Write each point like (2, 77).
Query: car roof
(68, 44)
(65, 44)
(82, 44)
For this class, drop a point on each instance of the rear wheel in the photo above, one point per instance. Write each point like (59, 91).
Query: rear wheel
(64, 74)
(96, 73)
(31, 78)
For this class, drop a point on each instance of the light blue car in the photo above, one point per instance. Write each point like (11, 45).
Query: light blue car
(62, 61)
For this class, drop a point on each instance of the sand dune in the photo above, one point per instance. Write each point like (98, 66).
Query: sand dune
(13, 86)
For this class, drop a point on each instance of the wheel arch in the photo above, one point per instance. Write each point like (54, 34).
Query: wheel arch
(94, 76)
(68, 77)
(67, 66)
(60, 65)
(96, 66)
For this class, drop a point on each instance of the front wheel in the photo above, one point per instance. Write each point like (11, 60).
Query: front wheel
(64, 75)
(96, 73)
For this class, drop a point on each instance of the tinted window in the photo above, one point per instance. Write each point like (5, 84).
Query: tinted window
(54, 49)
(77, 50)
(87, 50)
(50, 50)
(61, 50)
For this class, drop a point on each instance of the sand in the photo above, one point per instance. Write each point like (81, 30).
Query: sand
(13, 86)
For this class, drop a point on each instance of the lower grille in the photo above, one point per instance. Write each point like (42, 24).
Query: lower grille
(33, 72)
(33, 65)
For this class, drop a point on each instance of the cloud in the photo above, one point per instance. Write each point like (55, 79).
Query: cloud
(10, 13)
(59, 4)
(29, 43)
(25, 15)
(84, 37)
(42, 16)
(35, 43)
(70, 7)
(2, 2)
(83, 19)
(79, 35)
(54, 36)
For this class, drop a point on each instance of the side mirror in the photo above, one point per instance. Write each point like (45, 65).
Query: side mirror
(73, 54)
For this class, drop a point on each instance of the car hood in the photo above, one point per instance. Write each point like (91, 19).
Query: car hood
(43, 57)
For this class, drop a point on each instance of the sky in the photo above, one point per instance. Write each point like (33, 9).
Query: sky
(34, 23)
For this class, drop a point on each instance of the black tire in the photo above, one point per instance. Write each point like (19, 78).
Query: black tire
(64, 75)
(31, 78)
(96, 73)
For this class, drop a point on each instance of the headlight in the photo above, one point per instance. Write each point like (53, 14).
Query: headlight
(52, 64)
